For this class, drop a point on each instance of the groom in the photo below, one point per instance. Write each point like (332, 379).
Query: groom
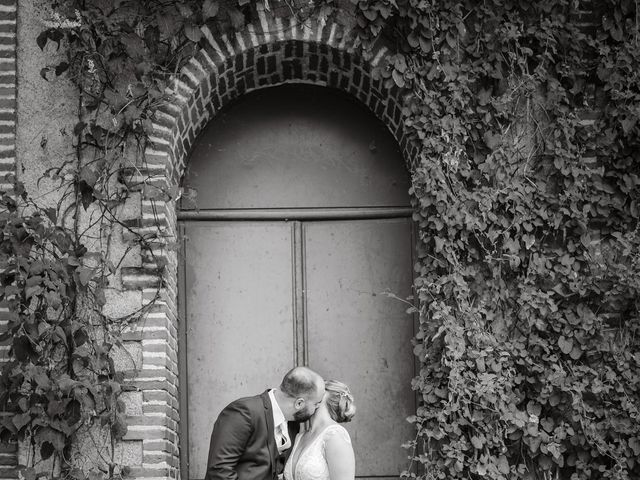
(252, 436)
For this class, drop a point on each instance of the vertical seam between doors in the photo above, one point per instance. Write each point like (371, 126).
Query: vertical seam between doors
(299, 330)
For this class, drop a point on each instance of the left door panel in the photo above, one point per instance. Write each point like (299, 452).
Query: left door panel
(238, 285)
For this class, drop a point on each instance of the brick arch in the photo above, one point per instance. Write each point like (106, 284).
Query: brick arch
(266, 55)
(273, 52)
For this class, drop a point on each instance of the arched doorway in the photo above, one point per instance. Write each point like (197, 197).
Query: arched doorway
(300, 226)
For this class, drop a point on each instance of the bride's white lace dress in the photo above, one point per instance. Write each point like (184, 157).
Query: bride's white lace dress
(311, 464)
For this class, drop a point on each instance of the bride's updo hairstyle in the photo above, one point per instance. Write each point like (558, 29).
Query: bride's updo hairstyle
(340, 402)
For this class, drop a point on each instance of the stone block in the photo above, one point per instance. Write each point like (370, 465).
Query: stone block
(128, 357)
(132, 402)
(121, 303)
(128, 453)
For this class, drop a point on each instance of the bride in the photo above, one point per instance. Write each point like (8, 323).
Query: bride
(324, 451)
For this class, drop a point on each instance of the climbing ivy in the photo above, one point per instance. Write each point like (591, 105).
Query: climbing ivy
(525, 189)
(527, 209)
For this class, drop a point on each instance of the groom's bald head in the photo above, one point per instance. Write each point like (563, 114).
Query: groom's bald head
(302, 382)
(300, 393)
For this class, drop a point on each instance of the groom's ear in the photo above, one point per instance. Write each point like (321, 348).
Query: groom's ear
(298, 403)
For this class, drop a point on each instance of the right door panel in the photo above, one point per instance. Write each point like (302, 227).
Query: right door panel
(361, 336)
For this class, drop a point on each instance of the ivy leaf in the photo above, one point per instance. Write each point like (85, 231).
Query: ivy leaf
(134, 46)
(451, 41)
(80, 337)
(86, 194)
(28, 473)
(66, 384)
(462, 29)
(565, 344)
(477, 442)
(101, 298)
(184, 10)
(52, 436)
(152, 38)
(20, 420)
(634, 444)
(79, 127)
(529, 240)
(41, 378)
(167, 24)
(42, 39)
(236, 17)
(370, 14)
(55, 408)
(115, 100)
(22, 403)
(61, 68)
(503, 465)
(73, 412)
(192, 32)
(628, 123)
(545, 462)
(61, 335)
(534, 408)
(55, 36)
(95, 475)
(8, 426)
(210, 9)
(22, 348)
(119, 428)
(77, 474)
(576, 352)
(400, 64)
(492, 140)
(85, 274)
(398, 78)
(547, 424)
(484, 96)
(32, 291)
(412, 39)
(46, 450)
(616, 34)
(425, 44)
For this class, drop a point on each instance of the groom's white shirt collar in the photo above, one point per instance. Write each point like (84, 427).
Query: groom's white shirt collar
(278, 416)
(281, 434)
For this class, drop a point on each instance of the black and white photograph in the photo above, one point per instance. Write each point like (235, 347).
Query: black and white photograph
(319, 239)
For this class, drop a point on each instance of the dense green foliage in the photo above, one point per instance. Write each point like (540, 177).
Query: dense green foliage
(62, 379)
(528, 217)
(526, 194)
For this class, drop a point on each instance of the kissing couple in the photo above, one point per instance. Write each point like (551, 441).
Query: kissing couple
(260, 437)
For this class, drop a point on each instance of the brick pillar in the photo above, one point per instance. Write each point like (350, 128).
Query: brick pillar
(8, 11)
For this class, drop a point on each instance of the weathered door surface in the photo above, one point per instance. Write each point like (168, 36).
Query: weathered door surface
(285, 264)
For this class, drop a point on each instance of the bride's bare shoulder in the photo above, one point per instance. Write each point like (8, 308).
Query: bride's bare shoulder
(337, 433)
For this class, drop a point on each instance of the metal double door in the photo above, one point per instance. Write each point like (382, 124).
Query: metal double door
(260, 297)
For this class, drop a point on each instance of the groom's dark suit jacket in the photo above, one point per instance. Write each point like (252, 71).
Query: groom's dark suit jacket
(243, 445)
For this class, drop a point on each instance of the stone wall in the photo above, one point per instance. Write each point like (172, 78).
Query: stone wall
(273, 50)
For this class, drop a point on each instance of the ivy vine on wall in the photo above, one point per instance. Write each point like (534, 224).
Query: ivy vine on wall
(528, 221)
(526, 195)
